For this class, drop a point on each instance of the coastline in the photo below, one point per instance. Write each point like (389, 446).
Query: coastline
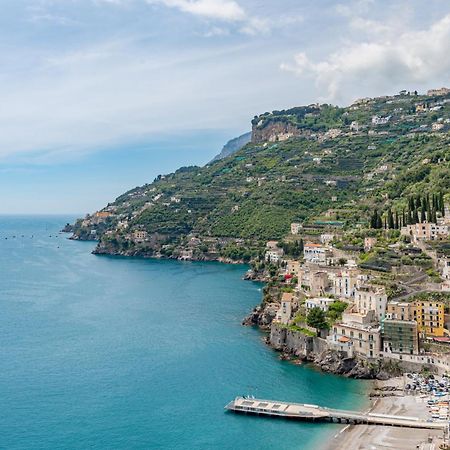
(348, 437)
(362, 437)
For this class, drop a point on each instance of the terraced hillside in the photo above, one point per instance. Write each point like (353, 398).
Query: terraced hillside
(318, 162)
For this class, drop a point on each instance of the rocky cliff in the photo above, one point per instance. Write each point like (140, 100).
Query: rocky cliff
(233, 146)
(294, 344)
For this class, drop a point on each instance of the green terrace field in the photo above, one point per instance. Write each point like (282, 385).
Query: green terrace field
(257, 192)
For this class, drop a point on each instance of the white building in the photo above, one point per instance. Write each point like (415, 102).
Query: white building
(444, 263)
(355, 338)
(371, 298)
(274, 255)
(343, 283)
(378, 120)
(295, 228)
(316, 253)
(326, 238)
(319, 302)
(354, 126)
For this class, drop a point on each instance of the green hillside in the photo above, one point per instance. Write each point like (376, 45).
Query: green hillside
(300, 164)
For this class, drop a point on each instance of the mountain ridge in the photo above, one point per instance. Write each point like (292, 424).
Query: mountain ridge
(233, 145)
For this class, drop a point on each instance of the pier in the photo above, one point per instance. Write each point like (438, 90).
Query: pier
(315, 413)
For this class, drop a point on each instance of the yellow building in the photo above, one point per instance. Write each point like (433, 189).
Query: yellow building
(430, 318)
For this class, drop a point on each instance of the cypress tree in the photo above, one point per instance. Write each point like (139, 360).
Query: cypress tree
(375, 220)
(397, 223)
(415, 217)
(433, 216)
(422, 215)
(390, 220)
(403, 217)
(379, 222)
(441, 203)
(372, 220)
(418, 203)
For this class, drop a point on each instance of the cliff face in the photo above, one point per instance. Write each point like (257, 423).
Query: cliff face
(274, 132)
(233, 146)
(315, 350)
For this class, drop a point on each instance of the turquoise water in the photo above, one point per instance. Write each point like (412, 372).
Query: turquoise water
(116, 353)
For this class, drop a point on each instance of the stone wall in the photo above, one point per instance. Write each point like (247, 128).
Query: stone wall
(291, 342)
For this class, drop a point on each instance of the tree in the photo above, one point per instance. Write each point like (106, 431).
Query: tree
(433, 216)
(376, 220)
(316, 319)
(336, 309)
(390, 220)
(441, 203)
(379, 222)
(422, 215)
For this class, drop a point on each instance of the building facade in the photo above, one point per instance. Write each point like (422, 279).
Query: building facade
(430, 318)
(319, 302)
(343, 283)
(356, 338)
(401, 311)
(425, 231)
(295, 228)
(284, 312)
(400, 336)
(316, 253)
(371, 298)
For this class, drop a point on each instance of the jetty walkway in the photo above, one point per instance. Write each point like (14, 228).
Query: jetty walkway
(318, 413)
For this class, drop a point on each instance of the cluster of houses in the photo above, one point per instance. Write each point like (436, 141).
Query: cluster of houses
(371, 326)
(426, 231)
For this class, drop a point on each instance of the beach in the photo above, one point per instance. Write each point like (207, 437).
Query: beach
(365, 437)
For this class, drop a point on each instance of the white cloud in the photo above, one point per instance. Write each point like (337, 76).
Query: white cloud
(52, 19)
(231, 12)
(411, 57)
(106, 94)
(227, 10)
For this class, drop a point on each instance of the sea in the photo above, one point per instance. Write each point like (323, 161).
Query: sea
(102, 352)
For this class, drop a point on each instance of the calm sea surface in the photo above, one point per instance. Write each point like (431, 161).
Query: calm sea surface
(116, 353)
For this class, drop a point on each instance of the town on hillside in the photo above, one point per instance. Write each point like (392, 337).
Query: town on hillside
(343, 212)
(388, 302)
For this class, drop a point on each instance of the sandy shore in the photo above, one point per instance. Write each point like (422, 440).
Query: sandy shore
(370, 437)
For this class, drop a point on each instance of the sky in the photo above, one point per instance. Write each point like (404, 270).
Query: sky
(99, 96)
